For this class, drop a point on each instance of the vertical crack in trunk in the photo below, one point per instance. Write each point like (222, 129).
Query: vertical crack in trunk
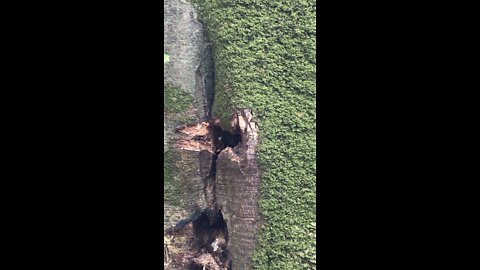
(223, 233)
(195, 233)
(215, 177)
(237, 186)
(209, 244)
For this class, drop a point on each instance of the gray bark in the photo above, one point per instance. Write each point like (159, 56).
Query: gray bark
(191, 187)
(186, 43)
(238, 183)
(190, 69)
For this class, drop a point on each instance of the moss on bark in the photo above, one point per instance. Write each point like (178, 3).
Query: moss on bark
(175, 99)
(264, 56)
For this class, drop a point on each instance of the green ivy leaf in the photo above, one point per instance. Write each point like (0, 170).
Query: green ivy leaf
(166, 58)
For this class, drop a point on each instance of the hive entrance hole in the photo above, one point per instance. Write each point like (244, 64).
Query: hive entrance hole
(223, 138)
(211, 236)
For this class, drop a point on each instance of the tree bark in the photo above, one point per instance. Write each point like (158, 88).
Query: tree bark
(238, 184)
(207, 173)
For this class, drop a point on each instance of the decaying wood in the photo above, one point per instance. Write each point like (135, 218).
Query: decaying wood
(207, 261)
(238, 180)
(231, 190)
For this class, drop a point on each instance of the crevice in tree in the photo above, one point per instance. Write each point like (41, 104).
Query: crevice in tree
(211, 241)
(191, 239)
(209, 79)
(208, 248)
(204, 79)
(221, 139)
(210, 228)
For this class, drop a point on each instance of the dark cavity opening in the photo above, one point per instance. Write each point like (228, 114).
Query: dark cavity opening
(212, 238)
(224, 138)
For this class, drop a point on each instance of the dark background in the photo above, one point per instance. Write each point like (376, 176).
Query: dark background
(82, 136)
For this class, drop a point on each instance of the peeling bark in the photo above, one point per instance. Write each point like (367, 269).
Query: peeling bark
(195, 137)
(213, 173)
(190, 70)
(228, 176)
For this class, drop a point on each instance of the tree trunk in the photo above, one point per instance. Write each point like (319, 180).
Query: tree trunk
(211, 177)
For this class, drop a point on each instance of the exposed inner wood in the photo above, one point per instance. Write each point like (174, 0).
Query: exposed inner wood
(204, 241)
(195, 137)
(222, 235)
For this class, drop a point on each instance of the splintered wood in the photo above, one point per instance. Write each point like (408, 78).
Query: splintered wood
(207, 262)
(195, 137)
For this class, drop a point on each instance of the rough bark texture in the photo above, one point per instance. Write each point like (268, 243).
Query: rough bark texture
(229, 175)
(191, 65)
(210, 177)
(189, 75)
(238, 181)
(188, 83)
